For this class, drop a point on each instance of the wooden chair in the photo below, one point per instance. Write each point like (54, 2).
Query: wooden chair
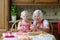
(14, 26)
(51, 28)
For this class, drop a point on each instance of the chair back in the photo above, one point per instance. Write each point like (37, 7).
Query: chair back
(51, 27)
(14, 26)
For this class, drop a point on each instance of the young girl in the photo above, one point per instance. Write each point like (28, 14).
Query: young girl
(24, 24)
(39, 23)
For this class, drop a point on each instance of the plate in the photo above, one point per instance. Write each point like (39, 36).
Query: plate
(34, 33)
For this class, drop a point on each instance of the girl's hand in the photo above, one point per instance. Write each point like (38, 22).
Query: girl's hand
(31, 27)
(38, 25)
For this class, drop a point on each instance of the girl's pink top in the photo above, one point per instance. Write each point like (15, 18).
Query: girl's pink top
(25, 27)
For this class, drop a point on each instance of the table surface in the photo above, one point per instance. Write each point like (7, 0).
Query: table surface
(36, 37)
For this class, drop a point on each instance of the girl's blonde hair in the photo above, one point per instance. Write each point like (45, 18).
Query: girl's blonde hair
(38, 12)
(24, 12)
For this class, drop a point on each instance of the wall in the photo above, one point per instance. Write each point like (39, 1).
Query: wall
(50, 12)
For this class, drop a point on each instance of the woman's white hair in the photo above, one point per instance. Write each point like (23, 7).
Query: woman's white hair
(38, 12)
(24, 12)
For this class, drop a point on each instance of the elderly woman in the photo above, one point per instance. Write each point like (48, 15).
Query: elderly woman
(39, 23)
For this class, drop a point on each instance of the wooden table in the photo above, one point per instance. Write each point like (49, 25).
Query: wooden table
(34, 37)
